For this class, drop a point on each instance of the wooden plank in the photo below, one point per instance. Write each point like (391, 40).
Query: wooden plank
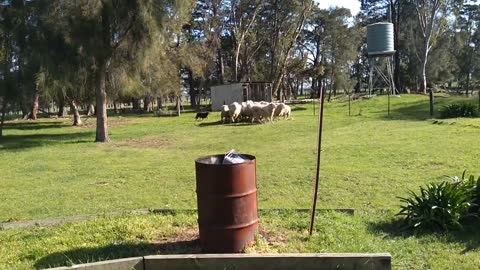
(380, 261)
(120, 264)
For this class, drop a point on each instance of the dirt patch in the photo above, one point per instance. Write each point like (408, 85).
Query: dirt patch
(187, 241)
(144, 142)
(184, 242)
(272, 238)
(188, 234)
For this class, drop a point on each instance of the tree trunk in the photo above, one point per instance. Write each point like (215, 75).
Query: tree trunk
(61, 111)
(282, 63)
(77, 121)
(424, 75)
(218, 46)
(91, 110)
(24, 106)
(330, 92)
(136, 104)
(61, 105)
(34, 110)
(101, 109)
(478, 102)
(160, 103)
(147, 104)
(4, 111)
(467, 90)
(178, 105)
(115, 107)
(241, 40)
(273, 48)
(192, 92)
(221, 67)
(319, 88)
(431, 102)
(395, 7)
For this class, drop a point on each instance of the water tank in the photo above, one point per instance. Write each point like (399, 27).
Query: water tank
(380, 39)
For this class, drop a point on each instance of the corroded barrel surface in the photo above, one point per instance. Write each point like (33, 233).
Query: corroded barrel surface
(227, 203)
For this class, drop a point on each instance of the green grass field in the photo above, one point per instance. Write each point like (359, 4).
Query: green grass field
(51, 169)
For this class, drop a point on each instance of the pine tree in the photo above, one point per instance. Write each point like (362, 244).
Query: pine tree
(116, 35)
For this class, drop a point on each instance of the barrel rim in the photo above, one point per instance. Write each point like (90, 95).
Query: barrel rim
(250, 160)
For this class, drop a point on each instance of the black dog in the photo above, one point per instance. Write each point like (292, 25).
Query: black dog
(201, 115)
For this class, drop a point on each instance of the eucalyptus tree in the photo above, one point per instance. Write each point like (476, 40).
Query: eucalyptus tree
(432, 23)
(468, 30)
(286, 22)
(243, 20)
(332, 45)
(313, 42)
(209, 26)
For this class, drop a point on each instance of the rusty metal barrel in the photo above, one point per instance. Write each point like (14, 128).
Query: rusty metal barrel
(227, 203)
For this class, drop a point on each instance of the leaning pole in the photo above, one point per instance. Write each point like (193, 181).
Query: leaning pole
(319, 152)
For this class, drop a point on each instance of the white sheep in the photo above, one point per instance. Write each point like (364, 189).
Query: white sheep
(235, 111)
(225, 113)
(260, 112)
(246, 113)
(279, 110)
(282, 110)
(287, 112)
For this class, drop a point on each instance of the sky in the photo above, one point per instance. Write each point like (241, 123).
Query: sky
(353, 5)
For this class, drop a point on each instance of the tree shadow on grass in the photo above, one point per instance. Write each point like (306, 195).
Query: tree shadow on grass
(219, 123)
(110, 252)
(21, 142)
(419, 110)
(34, 125)
(469, 236)
(297, 108)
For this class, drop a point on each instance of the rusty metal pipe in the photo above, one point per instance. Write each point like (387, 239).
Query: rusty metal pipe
(319, 151)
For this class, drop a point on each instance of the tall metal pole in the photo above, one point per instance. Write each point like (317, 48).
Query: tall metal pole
(319, 151)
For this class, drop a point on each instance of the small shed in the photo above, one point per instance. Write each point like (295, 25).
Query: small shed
(239, 92)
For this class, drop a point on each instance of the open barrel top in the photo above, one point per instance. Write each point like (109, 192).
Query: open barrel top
(215, 160)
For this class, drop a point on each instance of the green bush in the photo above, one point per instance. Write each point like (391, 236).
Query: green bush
(441, 206)
(471, 186)
(459, 110)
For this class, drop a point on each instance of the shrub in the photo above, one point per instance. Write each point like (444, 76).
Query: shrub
(471, 185)
(459, 110)
(441, 206)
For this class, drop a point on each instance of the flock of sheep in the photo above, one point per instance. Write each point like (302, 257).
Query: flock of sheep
(254, 111)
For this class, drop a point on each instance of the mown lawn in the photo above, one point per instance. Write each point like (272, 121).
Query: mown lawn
(50, 169)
